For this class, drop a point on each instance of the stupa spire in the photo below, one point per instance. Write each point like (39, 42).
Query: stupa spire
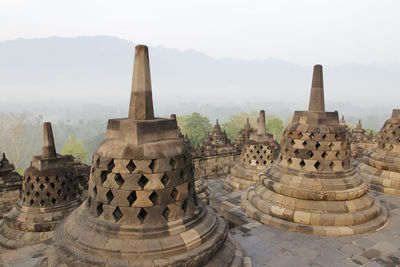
(317, 101)
(141, 105)
(261, 123)
(48, 149)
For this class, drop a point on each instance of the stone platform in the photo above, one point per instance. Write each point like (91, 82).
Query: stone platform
(270, 246)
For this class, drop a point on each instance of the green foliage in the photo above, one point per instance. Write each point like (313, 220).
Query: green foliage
(20, 172)
(195, 126)
(236, 122)
(75, 148)
(275, 127)
(91, 144)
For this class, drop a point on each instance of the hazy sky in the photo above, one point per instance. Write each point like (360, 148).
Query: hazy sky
(299, 31)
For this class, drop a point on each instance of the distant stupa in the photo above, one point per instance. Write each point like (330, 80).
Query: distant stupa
(312, 187)
(10, 186)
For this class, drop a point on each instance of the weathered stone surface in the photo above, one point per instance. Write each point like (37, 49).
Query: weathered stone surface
(142, 208)
(360, 143)
(312, 187)
(49, 193)
(380, 166)
(243, 135)
(258, 153)
(217, 155)
(10, 186)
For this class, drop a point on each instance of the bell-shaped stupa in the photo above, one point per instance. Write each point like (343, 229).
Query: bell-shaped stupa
(10, 186)
(49, 193)
(360, 143)
(142, 208)
(258, 153)
(312, 187)
(243, 135)
(381, 166)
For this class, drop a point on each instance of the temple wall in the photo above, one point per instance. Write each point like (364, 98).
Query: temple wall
(215, 166)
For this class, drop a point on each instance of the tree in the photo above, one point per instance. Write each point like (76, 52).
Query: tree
(195, 126)
(20, 137)
(275, 127)
(236, 122)
(74, 147)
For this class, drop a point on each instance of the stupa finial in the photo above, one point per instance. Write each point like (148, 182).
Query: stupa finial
(49, 148)
(141, 105)
(173, 116)
(261, 123)
(317, 101)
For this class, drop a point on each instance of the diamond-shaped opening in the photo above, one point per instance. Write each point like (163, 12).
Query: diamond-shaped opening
(62, 184)
(142, 215)
(324, 136)
(265, 162)
(37, 179)
(261, 157)
(296, 152)
(166, 213)
(254, 157)
(53, 200)
(48, 194)
(119, 180)
(47, 179)
(257, 162)
(292, 142)
(28, 179)
(317, 165)
(261, 147)
(52, 185)
(99, 209)
(332, 165)
(151, 165)
(302, 163)
(312, 136)
(28, 193)
(154, 197)
(310, 154)
(304, 143)
(300, 135)
(343, 165)
(64, 197)
(289, 161)
(143, 181)
(317, 145)
(57, 178)
(182, 174)
(95, 191)
(109, 196)
(258, 151)
(172, 162)
(32, 186)
(59, 192)
(165, 179)
(103, 176)
(117, 214)
(131, 166)
(98, 162)
(132, 198)
(42, 202)
(41, 186)
(185, 205)
(337, 154)
(331, 145)
(251, 150)
(175, 194)
(31, 202)
(324, 154)
(290, 134)
(110, 165)
(37, 194)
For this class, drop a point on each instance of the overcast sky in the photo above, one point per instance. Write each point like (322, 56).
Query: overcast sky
(300, 31)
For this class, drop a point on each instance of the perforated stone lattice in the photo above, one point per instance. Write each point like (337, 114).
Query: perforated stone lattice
(49, 191)
(388, 137)
(258, 155)
(315, 151)
(131, 191)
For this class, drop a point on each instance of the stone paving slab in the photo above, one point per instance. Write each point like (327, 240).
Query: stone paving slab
(269, 246)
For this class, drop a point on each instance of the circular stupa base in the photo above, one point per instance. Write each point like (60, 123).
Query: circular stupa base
(329, 224)
(24, 226)
(83, 240)
(384, 181)
(8, 199)
(240, 178)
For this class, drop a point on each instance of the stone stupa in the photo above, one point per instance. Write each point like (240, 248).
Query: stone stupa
(258, 153)
(360, 143)
(10, 186)
(312, 187)
(243, 135)
(381, 166)
(142, 208)
(49, 193)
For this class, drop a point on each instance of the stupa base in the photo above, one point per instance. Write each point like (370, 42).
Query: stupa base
(24, 226)
(81, 240)
(325, 230)
(240, 179)
(379, 179)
